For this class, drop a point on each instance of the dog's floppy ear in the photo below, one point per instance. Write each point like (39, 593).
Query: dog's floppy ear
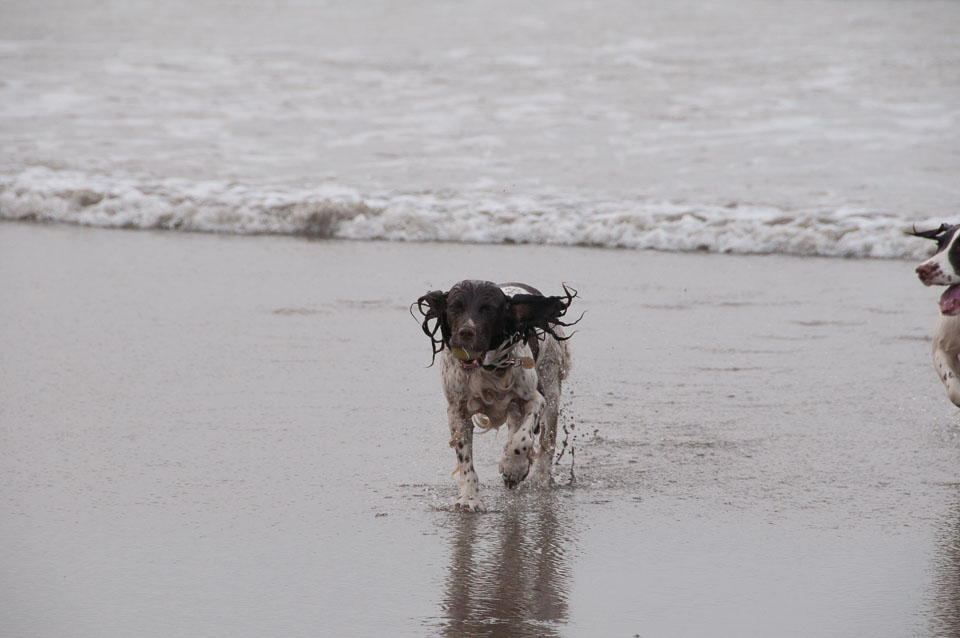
(433, 307)
(537, 312)
(929, 234)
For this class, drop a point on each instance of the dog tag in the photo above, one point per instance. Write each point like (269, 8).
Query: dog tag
(526, 363)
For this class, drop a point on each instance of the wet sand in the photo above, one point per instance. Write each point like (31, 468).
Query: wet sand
(238, 436)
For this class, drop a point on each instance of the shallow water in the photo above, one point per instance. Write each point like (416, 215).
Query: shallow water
(218, 436)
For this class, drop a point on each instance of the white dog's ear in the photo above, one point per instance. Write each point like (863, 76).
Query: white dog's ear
(930, 234)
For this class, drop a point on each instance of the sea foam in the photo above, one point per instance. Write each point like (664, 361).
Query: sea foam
(477, 216)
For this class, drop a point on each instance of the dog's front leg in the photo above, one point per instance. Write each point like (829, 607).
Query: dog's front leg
(947, 368)
(518, 452)
(461, 440)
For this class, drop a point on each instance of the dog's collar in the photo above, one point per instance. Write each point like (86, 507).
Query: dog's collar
(500, 358)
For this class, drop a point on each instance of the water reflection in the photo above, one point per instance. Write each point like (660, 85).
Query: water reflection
(946, 613)
(510, 573)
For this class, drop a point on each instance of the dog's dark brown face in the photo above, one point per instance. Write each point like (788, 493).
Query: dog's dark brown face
(480, 319)
(474, 317)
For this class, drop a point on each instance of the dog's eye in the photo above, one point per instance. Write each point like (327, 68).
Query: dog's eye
(486, 307)
(456, 306)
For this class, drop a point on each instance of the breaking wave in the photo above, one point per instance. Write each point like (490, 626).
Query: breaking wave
(332, 211)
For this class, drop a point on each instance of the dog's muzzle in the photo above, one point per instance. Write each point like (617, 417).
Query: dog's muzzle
(468, 359)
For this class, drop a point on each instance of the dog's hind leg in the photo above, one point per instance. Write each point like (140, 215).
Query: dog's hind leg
(461, 440)
(548, 436)
(552, 368)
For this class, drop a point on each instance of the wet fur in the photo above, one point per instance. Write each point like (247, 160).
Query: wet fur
(946, 355)
(525, 400)
(943, 269)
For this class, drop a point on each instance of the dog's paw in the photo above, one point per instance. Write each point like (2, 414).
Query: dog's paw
(469, 504)
(514, 468)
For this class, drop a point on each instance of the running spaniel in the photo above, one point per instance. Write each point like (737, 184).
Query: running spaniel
(503, 356)
(943, 269)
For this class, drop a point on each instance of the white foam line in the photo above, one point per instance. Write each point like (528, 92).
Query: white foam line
(331, 210)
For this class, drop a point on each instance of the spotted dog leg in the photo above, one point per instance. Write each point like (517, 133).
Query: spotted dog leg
(548, 438)
(947, 369)
(518, 453)
(552, 368)
(461, 440)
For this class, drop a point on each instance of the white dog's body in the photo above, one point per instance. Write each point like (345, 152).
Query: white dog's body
(946, 354)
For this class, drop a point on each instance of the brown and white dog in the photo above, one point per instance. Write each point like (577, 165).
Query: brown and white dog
(943, 269)
(503, 357)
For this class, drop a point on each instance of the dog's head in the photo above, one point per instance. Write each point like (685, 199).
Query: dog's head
(943, 269)
(477, 316)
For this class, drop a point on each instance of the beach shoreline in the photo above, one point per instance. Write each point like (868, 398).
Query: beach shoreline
(238, 436)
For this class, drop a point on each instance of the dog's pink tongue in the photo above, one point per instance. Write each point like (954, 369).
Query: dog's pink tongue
(950, 300)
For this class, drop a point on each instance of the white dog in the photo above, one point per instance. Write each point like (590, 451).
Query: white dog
(943, 269)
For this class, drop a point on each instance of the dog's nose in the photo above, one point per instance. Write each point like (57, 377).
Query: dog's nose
(926, 271)
(467, 334)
